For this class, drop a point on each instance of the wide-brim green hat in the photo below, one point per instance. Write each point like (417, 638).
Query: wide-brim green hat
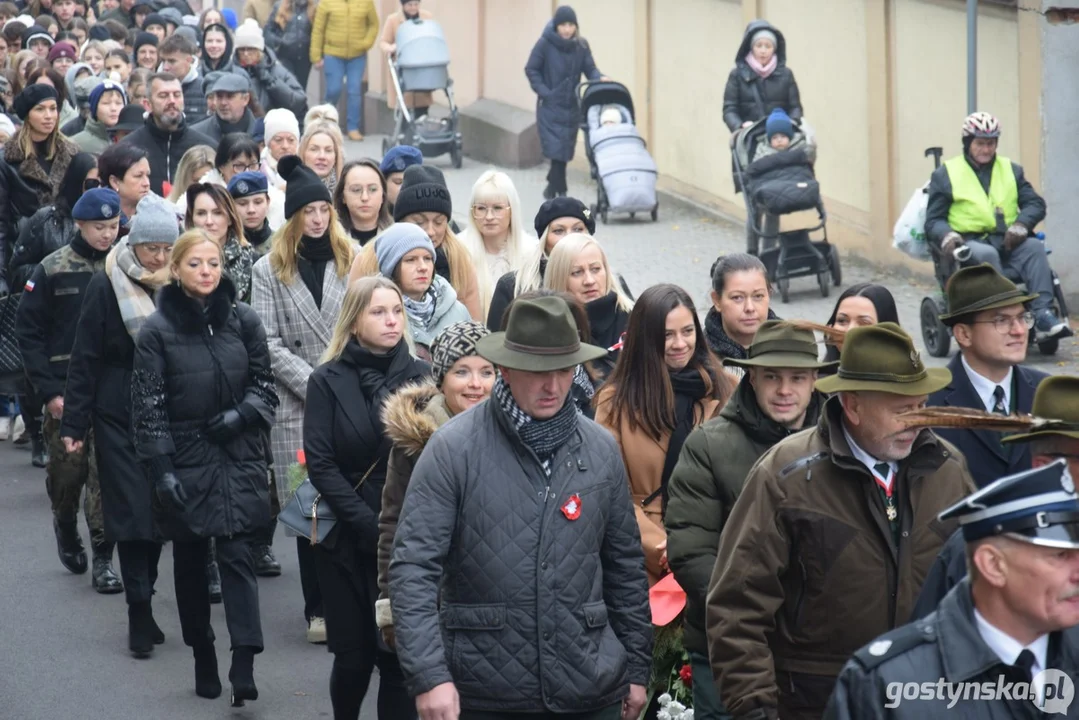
(974, 289)
(1056, 398)
(541, 335)
(882, 358)
(779, 344)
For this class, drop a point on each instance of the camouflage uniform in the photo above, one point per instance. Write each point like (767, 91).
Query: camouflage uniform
(45, 326)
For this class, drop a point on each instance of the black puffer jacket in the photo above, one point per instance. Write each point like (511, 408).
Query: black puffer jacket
(192, 363)
(748, 97)
(608, 321)
(17, 200)
(165, 149)
(47, 230)
(496, 589)
(948, 645)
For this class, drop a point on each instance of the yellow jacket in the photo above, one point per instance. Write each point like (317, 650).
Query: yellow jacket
(343, 28)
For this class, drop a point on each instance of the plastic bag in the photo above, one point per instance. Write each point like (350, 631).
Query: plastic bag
(909, 231)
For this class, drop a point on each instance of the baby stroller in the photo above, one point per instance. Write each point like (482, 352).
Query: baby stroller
(936, 335)
(624, 172)
(421, 64)
(777, 185)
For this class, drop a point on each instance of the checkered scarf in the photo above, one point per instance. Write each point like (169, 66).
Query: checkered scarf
(543, 437)
(130, 282)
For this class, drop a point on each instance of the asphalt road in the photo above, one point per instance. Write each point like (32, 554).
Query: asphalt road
(63, 647)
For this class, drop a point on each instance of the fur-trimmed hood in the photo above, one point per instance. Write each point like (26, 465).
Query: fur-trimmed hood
(412, 415)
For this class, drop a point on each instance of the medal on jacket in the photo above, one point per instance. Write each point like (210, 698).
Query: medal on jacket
(572, 507)
(889, 502)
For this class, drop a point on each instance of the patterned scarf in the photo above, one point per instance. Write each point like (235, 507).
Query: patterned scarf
(420, 312)
(239, 260)
(330, 181)
(129, 281)
(543, 437)
(581, 379)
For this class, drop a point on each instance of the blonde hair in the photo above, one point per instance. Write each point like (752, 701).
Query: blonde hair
(560, 263)
(321, 113)
(189, 240)
(332, 131)
(94, 45)
(495, 184)
(285, 245)
(356, 301)
(196, 157)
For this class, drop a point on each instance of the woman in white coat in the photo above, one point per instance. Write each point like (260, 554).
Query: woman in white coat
(297, 289)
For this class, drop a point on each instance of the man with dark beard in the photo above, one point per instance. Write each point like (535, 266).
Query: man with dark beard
(165, 135)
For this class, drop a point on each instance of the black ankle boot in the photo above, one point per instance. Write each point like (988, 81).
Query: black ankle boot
(242, 676)
(207, 682)
(69, 545)
(39, 453)
(155, 632)
(140, 639)
(266, 565)
(104, 578)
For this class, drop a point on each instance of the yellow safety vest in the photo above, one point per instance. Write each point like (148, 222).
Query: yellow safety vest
(973, 211)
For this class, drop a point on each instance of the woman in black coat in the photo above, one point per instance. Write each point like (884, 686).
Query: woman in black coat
(553, 69)
(347, 450)
(202, 401)
(760, 81)
(115, 306)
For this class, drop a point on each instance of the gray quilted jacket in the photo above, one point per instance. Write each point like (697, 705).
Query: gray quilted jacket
(495, 589)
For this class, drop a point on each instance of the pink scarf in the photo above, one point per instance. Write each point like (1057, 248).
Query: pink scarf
(762, 70)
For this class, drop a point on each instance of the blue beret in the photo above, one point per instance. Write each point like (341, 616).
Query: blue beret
(248, 183)
(1038, 506)
(399, 158)
(97, 204)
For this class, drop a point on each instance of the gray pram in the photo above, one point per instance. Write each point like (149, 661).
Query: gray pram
(421, 64)
(617, 154)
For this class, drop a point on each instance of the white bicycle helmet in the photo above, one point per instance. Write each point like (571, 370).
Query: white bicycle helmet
(981, 125)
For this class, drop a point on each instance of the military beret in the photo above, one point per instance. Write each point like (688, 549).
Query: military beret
(97, 204)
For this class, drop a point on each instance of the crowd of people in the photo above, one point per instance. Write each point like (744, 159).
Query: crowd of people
(214, 306)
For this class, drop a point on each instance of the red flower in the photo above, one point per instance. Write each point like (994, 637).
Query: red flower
(686, 673)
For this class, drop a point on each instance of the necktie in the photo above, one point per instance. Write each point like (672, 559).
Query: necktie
(1023, 668)
(999, 406)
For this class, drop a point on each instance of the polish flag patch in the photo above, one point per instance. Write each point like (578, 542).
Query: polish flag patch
(572, 508)
(29, 287)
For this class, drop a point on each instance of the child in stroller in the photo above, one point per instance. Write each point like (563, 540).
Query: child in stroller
(773, 162)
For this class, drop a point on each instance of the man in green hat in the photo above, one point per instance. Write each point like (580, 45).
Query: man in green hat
(990, 321)
(518, 544)
(1057, 398)
(774, 399)
(835, 528)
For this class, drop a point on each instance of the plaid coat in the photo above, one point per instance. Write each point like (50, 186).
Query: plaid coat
(298, 332)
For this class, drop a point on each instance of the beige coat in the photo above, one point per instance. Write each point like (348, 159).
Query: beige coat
(260, 10)
(389, 34)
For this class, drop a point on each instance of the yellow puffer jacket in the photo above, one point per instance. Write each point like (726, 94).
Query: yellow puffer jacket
(343, 28)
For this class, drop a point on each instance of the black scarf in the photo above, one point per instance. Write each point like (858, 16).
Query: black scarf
(380, 376)
(442, 263)
(311, 260)
(719, 341)
(689, 390)
(542, 437)
(255, 238)
(364, 236)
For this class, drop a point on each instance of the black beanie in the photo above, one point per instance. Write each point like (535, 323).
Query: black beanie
(303, 186)
(564, 14)
(422, 190)
(155, 19)
(31, 96)
(143, 38)
(99, 32)
(563, 207)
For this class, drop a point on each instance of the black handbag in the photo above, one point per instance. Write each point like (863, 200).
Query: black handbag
(10, 357)
(306, 514)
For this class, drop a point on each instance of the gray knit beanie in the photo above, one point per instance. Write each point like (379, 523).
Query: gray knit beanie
(455, 342)
(399, 240)
(155, 221)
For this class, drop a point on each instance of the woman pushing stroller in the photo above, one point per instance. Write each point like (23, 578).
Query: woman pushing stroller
(760, 81)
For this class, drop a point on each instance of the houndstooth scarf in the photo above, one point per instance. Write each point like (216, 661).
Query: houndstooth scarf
(543, 437)
(129, 281)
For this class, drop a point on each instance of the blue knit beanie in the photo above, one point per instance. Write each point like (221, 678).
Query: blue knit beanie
(779, 123)
(97, 92)
(399, 240)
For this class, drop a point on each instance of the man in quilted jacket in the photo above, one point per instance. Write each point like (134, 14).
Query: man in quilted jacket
(517, 579)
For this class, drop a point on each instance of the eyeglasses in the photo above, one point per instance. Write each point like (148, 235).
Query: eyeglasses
(240, 167)
(480, 211)
(1003, 323)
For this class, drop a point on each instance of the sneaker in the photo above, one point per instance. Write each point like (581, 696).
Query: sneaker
(1047, 325)
(316, 631)
(355, 135)
(5, 428)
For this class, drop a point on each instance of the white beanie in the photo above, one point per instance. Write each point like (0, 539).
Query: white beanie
(280, 120)
(249, 35)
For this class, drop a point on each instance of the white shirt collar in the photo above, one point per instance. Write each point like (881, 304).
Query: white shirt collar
(868, 460)
(985, 387)
(1007, 648)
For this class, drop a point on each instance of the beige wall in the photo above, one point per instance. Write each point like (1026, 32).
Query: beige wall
(880, 81)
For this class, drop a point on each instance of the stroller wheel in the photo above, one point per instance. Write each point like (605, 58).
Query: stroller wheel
(385, 145)
(823, 277)
(937, 338)
(456, 156)
(833, 265)
(633, 216)
(1049, 347)
(603, 216)
(784, 285)
(655, 213)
